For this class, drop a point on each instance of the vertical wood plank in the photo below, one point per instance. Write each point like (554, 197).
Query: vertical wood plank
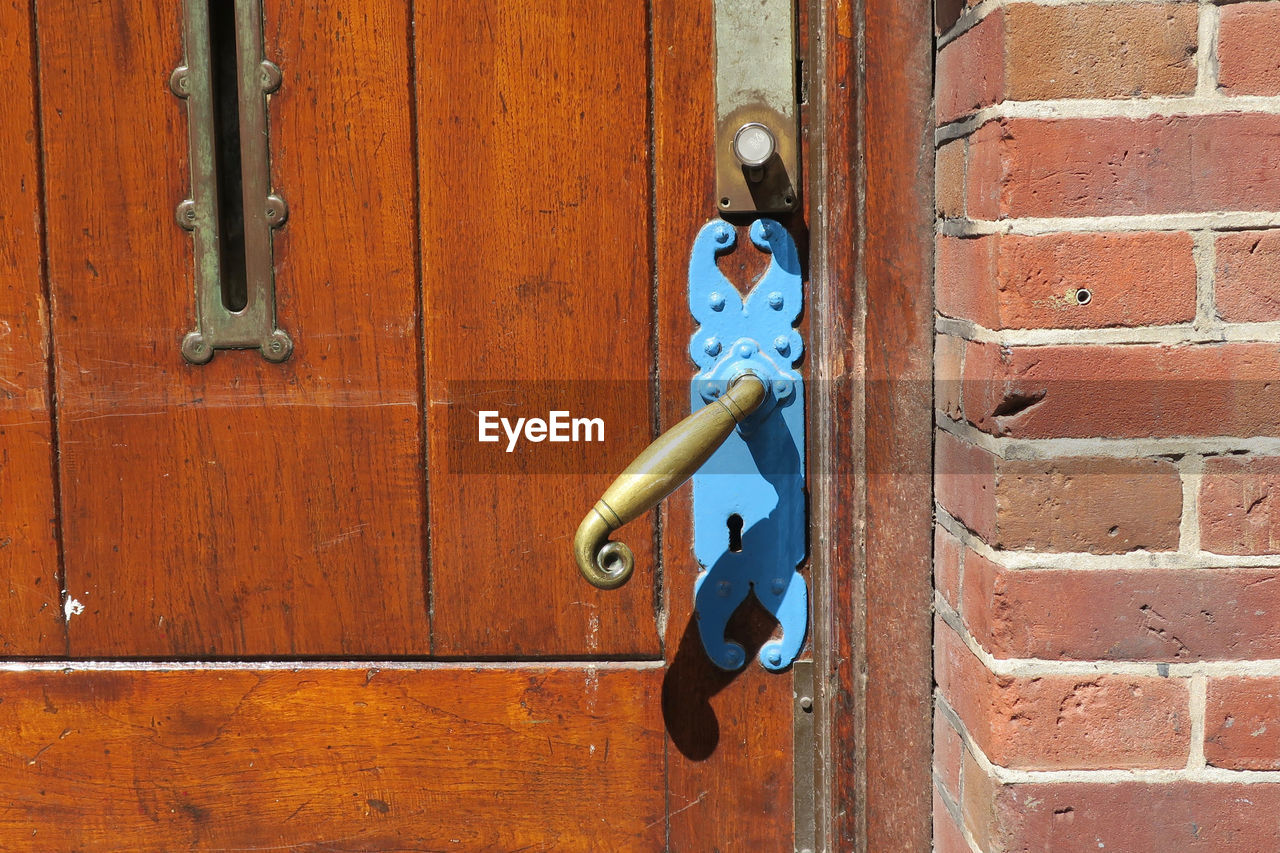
(895, 116)
(30, 612)
(238, 508)
(836, 428)
(533, 141)
(729, 751)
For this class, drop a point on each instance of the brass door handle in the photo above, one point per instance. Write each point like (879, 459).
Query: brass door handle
(657, 472)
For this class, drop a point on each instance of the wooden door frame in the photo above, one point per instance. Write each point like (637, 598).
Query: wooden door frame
(871, 319)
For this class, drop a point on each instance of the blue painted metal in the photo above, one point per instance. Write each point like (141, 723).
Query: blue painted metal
(758, 473)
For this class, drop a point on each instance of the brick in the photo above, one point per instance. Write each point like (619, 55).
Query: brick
(945, 15)
(946, 832)
(1097, 505)
(1121, 166)
(977, 806)
(1242, 723)
(946, 565)
(965, 483)
(987, 614)
(1247, 274)
(966, 271)
(970, 69)
(948, 750)
(948, 354)
(1240, 505)
(1167, 615)
(1135, 817)
(949, 179)
(1128, 391)
(1019, 282)
(1064, 722)
(1100, 51)
(1031, 52)
(984, 171)
(1248, 61)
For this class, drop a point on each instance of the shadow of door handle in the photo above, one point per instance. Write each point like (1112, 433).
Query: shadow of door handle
(656, 473)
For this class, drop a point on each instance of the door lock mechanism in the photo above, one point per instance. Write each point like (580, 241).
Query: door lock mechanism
(743, 446)
(225, 80)
(757, 146)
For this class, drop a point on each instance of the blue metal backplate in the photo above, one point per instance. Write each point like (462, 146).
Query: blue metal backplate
(758, 473)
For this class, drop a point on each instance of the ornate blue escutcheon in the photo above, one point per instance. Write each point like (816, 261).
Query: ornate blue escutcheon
(748, 499)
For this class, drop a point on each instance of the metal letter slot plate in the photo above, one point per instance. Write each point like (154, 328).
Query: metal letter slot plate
(748, 498)
(232, 209)
(757, 145)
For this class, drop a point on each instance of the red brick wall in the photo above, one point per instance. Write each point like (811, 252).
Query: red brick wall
(1107, 468)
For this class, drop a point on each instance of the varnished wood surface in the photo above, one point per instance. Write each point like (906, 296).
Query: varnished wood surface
(895, 115)
(30, 606)
(241, 507)
(333, 760)
(533, 141)
(247, 509)
(729, 749)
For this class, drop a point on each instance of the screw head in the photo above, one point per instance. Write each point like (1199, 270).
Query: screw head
(196, 349)
(268, 76)
(766, 230)
(724, 588)
(722, 233)
(778, 586)
(782, 389)
(278, 347)
(185, 215)
(716, 300)
(775, 657)
(711, 346)
(782, 344)
(276, 211)
(180, 82)
(745, 350)
(775, 300)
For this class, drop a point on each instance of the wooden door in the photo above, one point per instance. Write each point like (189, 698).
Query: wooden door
(278, 606)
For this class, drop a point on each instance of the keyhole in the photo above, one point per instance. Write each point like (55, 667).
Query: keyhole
(735, 533)
(225, 78)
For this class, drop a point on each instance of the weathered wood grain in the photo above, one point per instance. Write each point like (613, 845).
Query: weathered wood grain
(30, 602)
(835, 430)
(241, 507)
(370, 760)
(533, 142)
(895, 119)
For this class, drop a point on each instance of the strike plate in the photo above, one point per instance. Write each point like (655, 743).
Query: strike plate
(748, 498)
(232, 210)
(757, 149)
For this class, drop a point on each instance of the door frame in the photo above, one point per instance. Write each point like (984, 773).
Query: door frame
(870, 187)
